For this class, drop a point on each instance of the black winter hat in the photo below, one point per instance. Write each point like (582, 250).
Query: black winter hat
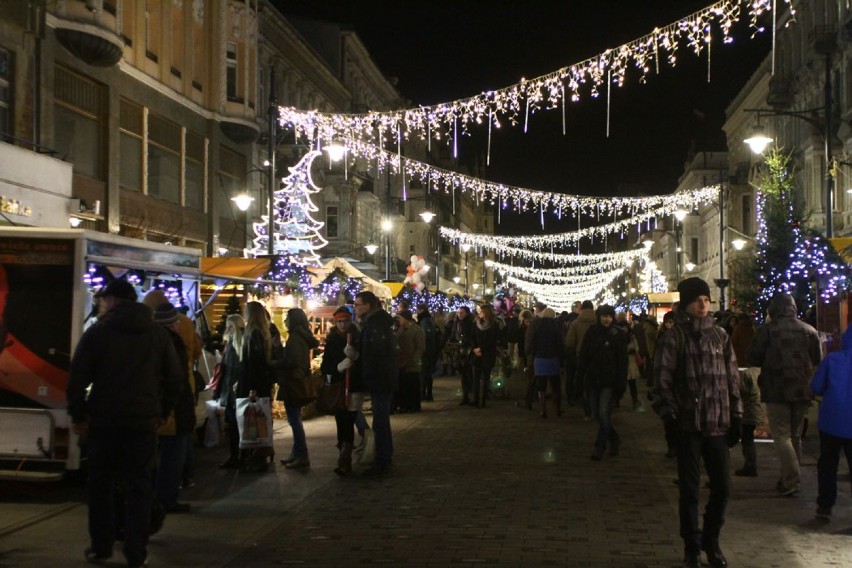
(165, 314)
(605, 310)
(690, 289)
(121, 289)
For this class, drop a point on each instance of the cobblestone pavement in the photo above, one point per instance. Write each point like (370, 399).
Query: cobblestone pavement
(470, 487)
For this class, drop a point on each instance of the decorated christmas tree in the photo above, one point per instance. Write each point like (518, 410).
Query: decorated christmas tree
(296, 233)
(790, 258)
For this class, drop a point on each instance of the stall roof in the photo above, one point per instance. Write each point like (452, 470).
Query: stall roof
(232, 268)
(380, 289)
(843, 246)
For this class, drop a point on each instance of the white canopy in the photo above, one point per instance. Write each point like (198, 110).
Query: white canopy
(338, 263)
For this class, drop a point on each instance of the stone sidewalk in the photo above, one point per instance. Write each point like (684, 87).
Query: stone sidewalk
(495, 486)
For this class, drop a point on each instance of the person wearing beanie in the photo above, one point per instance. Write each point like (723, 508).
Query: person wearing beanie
(176, 434)
(412, 344)
(430, 355)
(124, 379)
(696, 359)
(339, 357)
(602, 365)
(185, 329)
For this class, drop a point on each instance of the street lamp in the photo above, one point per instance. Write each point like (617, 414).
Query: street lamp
(465, 247)
(427, 217)
(243, 201)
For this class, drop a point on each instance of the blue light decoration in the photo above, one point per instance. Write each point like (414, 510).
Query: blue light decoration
(337, 289)
(791, 258)
(434, 300)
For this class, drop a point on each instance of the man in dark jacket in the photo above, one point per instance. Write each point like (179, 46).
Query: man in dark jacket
(463, 337)
(135, 379)
(603, 366)
(430, 355)
(787, 351)
(698, 385)
(379, 369)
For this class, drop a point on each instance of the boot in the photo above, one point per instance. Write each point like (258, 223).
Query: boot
(710, 546)
(542, 403)
(344, 460)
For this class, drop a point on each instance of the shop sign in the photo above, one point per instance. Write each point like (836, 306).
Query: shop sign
(14, 207)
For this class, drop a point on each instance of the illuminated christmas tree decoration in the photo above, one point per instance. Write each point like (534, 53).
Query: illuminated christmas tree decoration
(297, 234)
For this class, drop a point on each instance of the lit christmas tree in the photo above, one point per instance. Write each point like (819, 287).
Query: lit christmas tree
(297, 233)
(789, 257)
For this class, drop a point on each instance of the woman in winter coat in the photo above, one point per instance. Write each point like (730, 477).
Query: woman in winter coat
(257, 354)
(487, 336)
(231, 372)
(337, 359)
(545, 348)
(297, 374)
(603, 366)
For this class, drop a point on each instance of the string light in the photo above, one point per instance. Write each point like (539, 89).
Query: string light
(543, 92)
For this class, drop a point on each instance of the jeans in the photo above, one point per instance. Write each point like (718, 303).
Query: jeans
(294, 418)
(829, 459)
(173, 451)
(427, 370)
(119, 453)
(382, 428)
(481, 381)
(601, 402)
(785, 421)
(693, 447)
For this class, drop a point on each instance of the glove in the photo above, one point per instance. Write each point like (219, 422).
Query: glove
(350, 352)
(735, 431)
(343, 365)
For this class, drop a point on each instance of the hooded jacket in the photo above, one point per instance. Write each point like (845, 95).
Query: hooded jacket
(697, 377)
(787, 351)
(833, 382)
(578, 329)
(132, 366)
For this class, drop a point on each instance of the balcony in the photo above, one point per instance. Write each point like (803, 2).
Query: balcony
(87, 31)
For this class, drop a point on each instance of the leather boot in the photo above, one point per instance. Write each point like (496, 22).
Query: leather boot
(542, 403)
(344, 460)
(710, 546)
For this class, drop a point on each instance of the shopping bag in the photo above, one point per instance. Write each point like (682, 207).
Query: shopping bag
(331, 398)
(367, 451)
(254, 422)
(213, 427)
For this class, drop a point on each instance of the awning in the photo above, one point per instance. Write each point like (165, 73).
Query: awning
(843, 246)
(233, 268)
(394, 287)
(663, 298)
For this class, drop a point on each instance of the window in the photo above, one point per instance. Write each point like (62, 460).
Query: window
(746, 219)
(231, 71)
(78, 129)
(152, 29)
(232, 171)
(693, 250)
(177, 39)
(5, 94)
(164, 139)
(331, 219)
(130, 162)
(194, 177)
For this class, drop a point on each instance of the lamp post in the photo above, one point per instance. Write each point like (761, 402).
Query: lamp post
(427, 217)
(679, 216)
(465, 247)
(372, 247)
(272, 150)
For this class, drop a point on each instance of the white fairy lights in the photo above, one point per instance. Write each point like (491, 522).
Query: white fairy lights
(514, 103)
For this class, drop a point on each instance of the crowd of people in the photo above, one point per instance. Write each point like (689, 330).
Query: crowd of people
(709, 378)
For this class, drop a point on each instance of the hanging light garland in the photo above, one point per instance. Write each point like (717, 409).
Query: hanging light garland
(603, 263)
(540, 242)
(519, 198)
(515, 103)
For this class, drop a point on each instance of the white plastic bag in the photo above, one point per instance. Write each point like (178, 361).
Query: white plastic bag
(254, 421)
(213, 428)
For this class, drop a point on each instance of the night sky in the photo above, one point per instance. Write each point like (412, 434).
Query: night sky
(443, 51)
